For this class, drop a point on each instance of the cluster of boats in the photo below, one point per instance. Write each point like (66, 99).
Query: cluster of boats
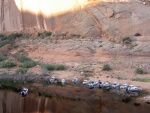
(100, 84)
(94, 84)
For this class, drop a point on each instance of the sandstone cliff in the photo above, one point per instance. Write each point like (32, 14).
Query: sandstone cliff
(113, 18)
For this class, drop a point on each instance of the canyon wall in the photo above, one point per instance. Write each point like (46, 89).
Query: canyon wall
(110, 18)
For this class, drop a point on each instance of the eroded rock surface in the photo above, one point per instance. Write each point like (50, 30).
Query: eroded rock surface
(89, 18)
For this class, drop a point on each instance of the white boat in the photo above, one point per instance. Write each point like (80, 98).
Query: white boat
(24, 92)
(115, 85)
(53, 80)
(106, 86)
(93, 84)
(75, 80)
(134, 89)
(124, 87)
(85, 82)
(101, 83)
(63, 81)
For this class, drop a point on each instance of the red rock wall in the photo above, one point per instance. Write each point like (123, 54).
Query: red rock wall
(110, 18)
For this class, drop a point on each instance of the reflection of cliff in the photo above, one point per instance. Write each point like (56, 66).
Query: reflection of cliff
(91, 18)
(13, 103)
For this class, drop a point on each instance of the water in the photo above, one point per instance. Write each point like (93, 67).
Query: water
(11, 102)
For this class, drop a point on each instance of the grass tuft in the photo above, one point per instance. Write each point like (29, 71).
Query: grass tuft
(3, 43)
(2, 58)
(44, 34)
(14, 36)
(139, 71)
(106, 67)
(29, 64)
(126, 40)
(25, 35)
(141, 79)
(51, 67)
(8, 64)
(24, 59)
(22, 70)
(47, 33)
(16, 55)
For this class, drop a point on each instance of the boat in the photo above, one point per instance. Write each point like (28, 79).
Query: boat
(24, 92)
(53, 80)
(101, 83)
(115, 85)
(106, 86)
(93, 84)
(85, 82)
(75, 80)
(63, 81)
(134, 89)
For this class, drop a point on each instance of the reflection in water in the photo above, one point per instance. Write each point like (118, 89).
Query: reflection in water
(13, 103)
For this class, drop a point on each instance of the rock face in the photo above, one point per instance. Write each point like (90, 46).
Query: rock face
(110, 18)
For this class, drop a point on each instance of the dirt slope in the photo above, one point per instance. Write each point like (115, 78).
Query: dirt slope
(85, 58)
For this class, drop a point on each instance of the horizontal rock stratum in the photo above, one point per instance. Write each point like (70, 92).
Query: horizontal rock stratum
(110, 18)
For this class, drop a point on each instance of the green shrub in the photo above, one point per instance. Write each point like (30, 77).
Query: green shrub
(3, 43)
(44, 34)
(2, 58)
(24, 59)
(8, 64)
(16, 55)
(106, 67)
(47, 33)
(39, 34)
(45, 72)
(29, 64)
(25, 35)
(139, 71)
(22, 70)
(126, 40)
(14, 36)
(141, 79)
(51, 67)
(60, 67)
(2, 37)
